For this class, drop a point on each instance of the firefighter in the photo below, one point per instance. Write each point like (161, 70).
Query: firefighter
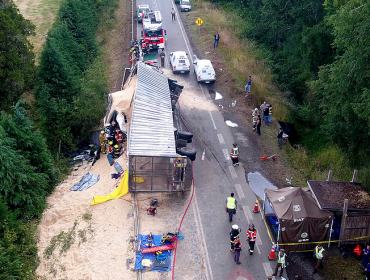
(110, 148)
(103, 142)
(119, 136)
(235, 154)
(234, 233)
(251, 235)
(116, 151)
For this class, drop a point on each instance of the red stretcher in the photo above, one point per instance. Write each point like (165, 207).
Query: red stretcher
(158, 248)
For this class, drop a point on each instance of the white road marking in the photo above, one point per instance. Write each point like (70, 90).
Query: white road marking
(199, 227)
(239, 190)
(213, 121)
(221, 138)
(245, 213)
(258, 247)
(267, 268)
(249, 212)
(259, 241)
(226, 154)
(232, 172)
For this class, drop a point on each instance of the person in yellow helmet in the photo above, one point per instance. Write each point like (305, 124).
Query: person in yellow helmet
(116, 151)
(110, 149)
(103, 142)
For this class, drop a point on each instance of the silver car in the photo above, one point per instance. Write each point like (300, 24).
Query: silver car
(185, 6)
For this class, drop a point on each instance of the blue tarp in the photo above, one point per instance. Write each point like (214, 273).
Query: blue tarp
(144, 242)
(86, 182)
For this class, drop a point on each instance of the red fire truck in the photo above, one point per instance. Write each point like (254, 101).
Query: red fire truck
(152, 32)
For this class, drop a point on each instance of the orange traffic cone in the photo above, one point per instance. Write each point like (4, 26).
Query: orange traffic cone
(255, 210)
(272, 254)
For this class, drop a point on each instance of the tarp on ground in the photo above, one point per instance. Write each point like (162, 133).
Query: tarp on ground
(301, 220)
(117, 193)
(140, 256)
(258, 184)
(86, 182)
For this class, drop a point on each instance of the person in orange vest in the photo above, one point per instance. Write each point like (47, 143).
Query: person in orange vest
(110, 149)
(251, 235)
(237, 248)
(103, 142)
(235, 154)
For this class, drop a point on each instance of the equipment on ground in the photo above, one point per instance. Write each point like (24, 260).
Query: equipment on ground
(158, 248)
(152, 210)
(255, 210)
(270, 157)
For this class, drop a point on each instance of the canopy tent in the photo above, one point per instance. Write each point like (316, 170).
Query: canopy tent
(300, 219)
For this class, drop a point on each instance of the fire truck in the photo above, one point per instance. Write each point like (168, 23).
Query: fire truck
(152, 33)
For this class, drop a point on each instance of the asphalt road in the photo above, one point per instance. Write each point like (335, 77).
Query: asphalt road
(215, 177)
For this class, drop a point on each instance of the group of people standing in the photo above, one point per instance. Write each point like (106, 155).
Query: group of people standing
(266, 110)
(111, 141)
(236, 244)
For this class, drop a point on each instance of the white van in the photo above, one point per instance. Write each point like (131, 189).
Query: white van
(179, 62)
(204, 71)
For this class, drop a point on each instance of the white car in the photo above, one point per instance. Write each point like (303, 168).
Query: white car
(204, 71)
(140, 9)
(185, 6)
(179, 62)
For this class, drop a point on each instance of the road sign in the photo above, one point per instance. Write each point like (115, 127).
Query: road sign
(199, 21)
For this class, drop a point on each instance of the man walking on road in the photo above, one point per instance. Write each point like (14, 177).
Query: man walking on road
(280, 138)
(173, 13)
(235, 154)
(234, 233)
(217, 38)
(251, 235)
(237, 248)
(319, 255)
(280, 263)
(231, 206)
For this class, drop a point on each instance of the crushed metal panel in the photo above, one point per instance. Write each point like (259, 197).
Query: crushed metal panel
(151, 129)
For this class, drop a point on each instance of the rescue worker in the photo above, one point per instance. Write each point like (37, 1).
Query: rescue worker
(230, 206)
(281, 263)
(103, 142)
(254, 118)
(119, 136)
(270, 113)
(237, 248)
(116, 151)
(251, 235)
(319, 255)
(234, 233)
(162, 55)
(235, 154)
(110, 148)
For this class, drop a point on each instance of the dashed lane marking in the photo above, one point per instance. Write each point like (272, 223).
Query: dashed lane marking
(267, 268)
(232, 172)
(239, 190)
(221, 138)
(213, 121)
(245, 213)
(226, 154)
(249, 212)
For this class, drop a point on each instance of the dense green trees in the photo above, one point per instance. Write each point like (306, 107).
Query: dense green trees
(65, 64)
(319, 51)
(17, 68)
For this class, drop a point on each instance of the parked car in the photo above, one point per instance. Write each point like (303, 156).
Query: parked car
(179, 62)
(185, 6)
(140, 9)
(204, 71)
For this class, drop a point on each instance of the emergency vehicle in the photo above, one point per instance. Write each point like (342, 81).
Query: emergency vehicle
(152, 32)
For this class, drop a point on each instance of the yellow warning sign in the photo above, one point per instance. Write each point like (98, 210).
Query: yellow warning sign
(199, 21)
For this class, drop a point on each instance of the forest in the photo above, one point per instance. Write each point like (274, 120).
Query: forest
(69, 91)
(318, 51)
